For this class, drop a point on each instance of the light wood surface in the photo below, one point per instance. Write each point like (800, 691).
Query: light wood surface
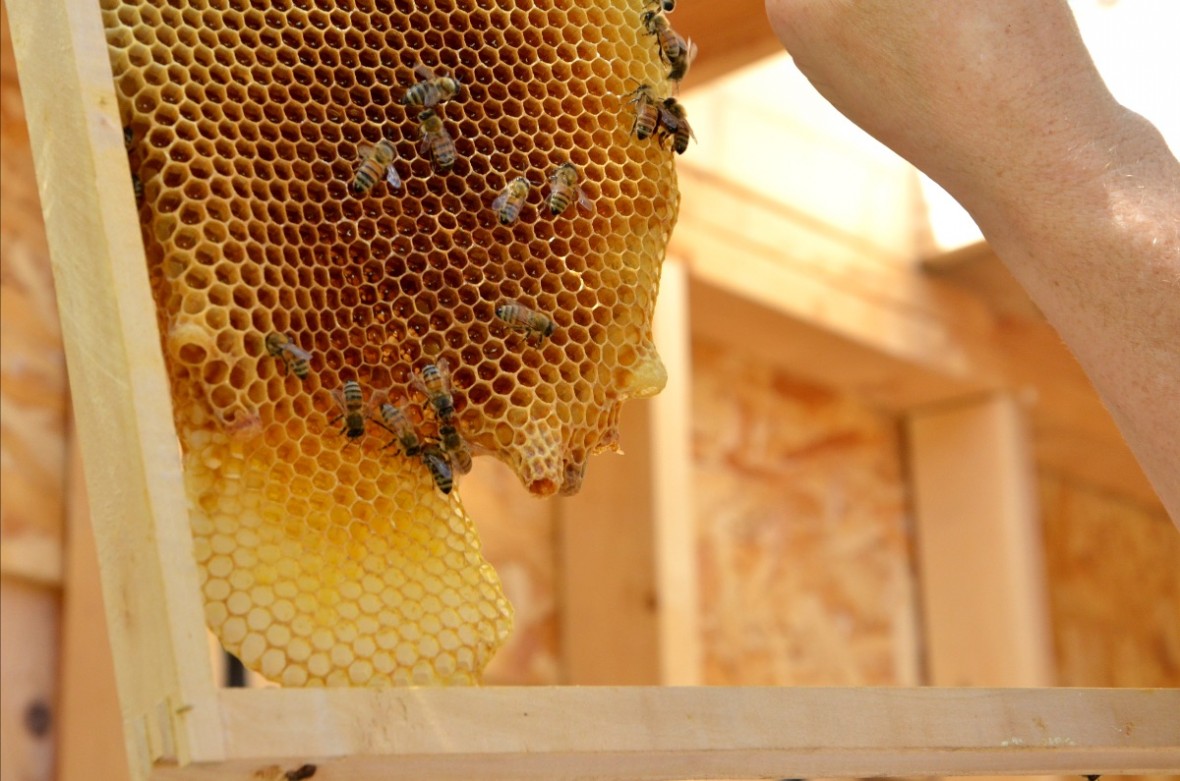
(627, 565)
(91, 742)
(667, 733)
(980, 555)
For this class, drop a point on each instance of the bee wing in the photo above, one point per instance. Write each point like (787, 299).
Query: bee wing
(418, 384)
(668, 120)
(501, 199)
(423, 73)
(297, 351)
(377, 398)
(364, 150)
(392, 178)
(444, 369)
(584, 202)
(338, 395)
(690, 49)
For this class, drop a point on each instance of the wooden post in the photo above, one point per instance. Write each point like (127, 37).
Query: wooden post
(91, 743)
(979, 547)
(628, 540)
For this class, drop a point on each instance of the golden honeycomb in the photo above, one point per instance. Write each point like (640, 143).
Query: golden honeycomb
(332, 560)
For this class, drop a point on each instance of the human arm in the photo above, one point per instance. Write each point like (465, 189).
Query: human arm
(999, 102)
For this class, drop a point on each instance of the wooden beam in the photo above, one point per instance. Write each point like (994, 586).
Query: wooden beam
(91, 742)
(1067, 416)
(837, 310)
(120, 389)
(675, 521)
(729, 35)
(690, 732)
(628, 588)
(831, 308)
(980, 557)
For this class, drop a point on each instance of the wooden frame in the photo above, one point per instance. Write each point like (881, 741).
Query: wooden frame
(179, 726)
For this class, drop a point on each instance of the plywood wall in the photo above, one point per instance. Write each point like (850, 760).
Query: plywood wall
(806, 574)
(1114, 588)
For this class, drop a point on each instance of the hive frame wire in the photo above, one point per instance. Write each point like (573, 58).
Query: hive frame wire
(179, 726)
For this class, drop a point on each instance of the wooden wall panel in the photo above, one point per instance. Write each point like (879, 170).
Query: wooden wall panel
(1114, 587)
(803, 531)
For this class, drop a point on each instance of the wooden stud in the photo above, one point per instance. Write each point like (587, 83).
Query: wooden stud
(980, 558)
(627, 539)
(91, 742)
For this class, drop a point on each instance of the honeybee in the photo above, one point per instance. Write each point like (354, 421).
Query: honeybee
(351, 401)
(294, 358)
(674, 48)
(456, 448)
(680, 65)
(437, 141)
(376, 158)
(435, 384)
(510, 200)
(647, 111)
(430, 89)
(674, 123)
(399, 424)
(563, 187)
(520, 318)
(440, 468)
(137, 187)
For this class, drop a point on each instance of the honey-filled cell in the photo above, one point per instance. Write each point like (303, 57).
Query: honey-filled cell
(345, 305)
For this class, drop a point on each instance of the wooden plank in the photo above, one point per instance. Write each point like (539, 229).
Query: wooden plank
(980, 556)
(907, 341)
(120, 389)
(675, 527)
(606, 565)
(91, 740)
(728, 35)
(691, 732)
(626, 539)
(794, 342)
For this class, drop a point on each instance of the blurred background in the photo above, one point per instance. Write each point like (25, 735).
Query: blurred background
(874, 464)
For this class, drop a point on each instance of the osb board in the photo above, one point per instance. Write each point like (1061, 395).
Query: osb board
(1114, 588)
(803, 531)
(32, 366)
(518, 538)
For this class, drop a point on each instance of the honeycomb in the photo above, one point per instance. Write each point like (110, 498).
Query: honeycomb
(328, 554)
